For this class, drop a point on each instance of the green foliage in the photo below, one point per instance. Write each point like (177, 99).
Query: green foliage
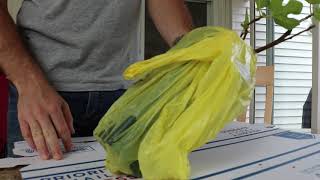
(246, 22)
(317, 14)
(313, 1)
(280, 13)
(262, 4)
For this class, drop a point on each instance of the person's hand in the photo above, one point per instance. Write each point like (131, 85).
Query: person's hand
(44, 117)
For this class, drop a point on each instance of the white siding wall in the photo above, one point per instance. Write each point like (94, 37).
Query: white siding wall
(293, 70)
(293, 75)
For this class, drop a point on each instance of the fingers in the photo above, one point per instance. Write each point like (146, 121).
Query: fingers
(44, 132)
(26, 133)
(43, 119)
(38, 139)
(68, 116)
(62, 128)
(50, 137)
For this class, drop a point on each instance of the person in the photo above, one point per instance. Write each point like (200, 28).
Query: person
(65, 60)
(306, 113)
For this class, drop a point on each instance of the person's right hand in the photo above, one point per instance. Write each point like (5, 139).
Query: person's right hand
(44, 117)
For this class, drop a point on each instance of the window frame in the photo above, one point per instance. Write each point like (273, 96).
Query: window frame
(219, 13)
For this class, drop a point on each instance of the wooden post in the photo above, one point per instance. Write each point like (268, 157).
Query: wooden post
(315, 115)
(252, 107)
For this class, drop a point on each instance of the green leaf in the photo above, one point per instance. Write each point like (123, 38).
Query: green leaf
(246, 21)
(262, 4)
(317, 14)
(280, 13)
(288, 23)
(313, 1)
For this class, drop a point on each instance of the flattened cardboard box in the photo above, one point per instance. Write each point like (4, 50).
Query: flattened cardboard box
(240, 151)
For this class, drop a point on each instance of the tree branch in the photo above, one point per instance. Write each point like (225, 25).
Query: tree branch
(308, 29)
(245, 35)
(276, 42)
(307, 17)
(255, 20)
(246, 30)
(286, 36)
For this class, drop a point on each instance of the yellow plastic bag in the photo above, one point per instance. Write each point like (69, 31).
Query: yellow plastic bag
(181, 100)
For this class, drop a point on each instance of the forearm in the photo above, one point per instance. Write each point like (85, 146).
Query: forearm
(171, 18)
(43, 115)
(15, 61)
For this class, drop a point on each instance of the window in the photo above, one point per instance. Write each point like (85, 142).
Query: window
(155, 45)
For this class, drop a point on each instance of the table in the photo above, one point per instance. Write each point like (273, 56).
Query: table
(240, 151)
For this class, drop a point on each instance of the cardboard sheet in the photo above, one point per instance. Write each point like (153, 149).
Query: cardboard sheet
(240, 151)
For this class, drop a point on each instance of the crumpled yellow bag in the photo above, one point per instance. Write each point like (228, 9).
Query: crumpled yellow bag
(181, 100)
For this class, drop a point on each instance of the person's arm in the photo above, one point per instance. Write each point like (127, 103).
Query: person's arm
(43, 115)
(171, 18)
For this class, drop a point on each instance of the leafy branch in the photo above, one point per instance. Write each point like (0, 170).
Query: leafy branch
(279, 13)
(246, 30)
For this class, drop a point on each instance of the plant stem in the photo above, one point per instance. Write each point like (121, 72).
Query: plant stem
(307, 17)
(246, 30)
(283, 38)
(308, 29)
(277, 41)
(245, 35)
(255, 20)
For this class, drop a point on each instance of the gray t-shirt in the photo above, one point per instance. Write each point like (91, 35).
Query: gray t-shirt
(82, 45)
